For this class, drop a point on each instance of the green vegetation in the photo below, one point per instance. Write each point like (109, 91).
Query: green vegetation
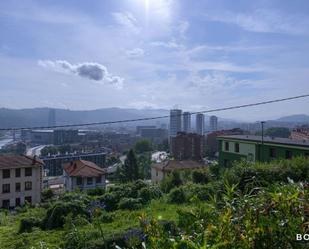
(246, 206)
(276, 132)
(143, 146)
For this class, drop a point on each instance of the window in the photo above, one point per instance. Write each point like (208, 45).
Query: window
(157, 173)
(226, 163)
(17, 202)
(236, 147)
(28, 171)
(98, 179)
(288, 154)
(6, 188)
(6, 203)
(306, 154)
(6, 173)
(226, 146)
(28, 199)
(89, 180)
(79, 180)
(17, 186)
(272, 152)
(28, 185)
(17, 172)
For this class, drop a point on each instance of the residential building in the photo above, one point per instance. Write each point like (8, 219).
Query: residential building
(42, 137)
(62, 136)
(53, 164)
(155, 135)
(251, 148)
(213, 123)
(200, 123)
(212, 143)
(187, 146)
(187, 122)
(160, 170)
(83, 175)
(175, 122)
(142, 127)
(301, 133)
(20, 180)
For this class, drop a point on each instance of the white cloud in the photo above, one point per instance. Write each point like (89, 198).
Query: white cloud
(183, 28)
(264, 21)
(127, 20)
(135, 53)
(169, 44)
(90, 70)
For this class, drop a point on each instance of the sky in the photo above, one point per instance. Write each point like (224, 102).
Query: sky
(193, 55)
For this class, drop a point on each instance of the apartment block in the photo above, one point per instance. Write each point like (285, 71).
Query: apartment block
(20, 180)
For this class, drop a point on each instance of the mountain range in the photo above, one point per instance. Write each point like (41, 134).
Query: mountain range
(39, 116)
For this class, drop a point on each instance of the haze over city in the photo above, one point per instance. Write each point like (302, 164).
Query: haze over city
(198, 55)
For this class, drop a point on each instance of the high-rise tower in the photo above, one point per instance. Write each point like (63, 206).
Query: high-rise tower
(200, 123)
(213, 123)
(175, 122)
(187, 122)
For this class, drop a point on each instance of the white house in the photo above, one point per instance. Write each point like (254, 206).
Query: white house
(20, 180)
(83, 175)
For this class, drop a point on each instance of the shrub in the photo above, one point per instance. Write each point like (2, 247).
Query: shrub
(95, 191)
(55, 216)
(47, 194)
(26, 224)
(106, 217)
(130, 203)
(111, 200)
(149, 193)
(177, 195)
(200, 176)
(171, 181)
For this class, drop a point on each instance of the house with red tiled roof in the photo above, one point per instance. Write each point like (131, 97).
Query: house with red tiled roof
(83, 175)
(20, 180)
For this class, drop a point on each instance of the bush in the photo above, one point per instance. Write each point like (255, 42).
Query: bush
(149, 193)
(171, 181)
(55, 216)
(47, 194)
(130, 203)
(250, 175)
(177, 195)
(26, 224)
(200, 176)
(95, 191)
(106, 217)
(111, 200)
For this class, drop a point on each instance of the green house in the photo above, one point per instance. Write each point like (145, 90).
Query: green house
(252, 148)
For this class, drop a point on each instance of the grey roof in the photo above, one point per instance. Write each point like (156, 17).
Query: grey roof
(274, 140)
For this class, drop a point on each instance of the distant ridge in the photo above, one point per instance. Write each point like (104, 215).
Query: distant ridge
(39, 116)
(298, 118)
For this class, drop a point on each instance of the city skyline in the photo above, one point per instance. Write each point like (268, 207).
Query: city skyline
(125, 54)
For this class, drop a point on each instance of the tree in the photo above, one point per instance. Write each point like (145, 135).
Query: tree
(143, 146)
(276, 132)
(130, 168)
(144, 165)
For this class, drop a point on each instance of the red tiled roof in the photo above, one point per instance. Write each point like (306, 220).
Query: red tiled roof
(83, 168)
(14, 161)
(171, 165)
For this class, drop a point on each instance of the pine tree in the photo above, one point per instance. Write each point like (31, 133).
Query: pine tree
(130, 167)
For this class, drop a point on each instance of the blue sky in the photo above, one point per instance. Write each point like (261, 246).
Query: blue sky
(155, 54)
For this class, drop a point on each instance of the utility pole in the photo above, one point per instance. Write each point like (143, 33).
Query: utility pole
(262, 123)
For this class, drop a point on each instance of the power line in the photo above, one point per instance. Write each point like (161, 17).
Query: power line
(158, 117)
